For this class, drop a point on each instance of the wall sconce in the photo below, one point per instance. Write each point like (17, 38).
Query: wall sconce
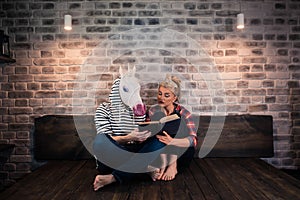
(68, 22)
(240, 21)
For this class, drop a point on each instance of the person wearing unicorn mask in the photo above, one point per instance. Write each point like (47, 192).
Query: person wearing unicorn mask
(117, 133)
(178, 139)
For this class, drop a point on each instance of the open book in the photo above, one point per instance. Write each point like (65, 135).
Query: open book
(156, 126)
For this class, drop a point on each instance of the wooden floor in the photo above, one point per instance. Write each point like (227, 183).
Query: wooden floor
(209, 178)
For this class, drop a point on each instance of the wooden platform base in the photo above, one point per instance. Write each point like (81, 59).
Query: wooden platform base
(208, 178)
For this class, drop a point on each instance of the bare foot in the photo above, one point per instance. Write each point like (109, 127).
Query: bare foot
(170, 172)
(161, 173)
(103, 180)
(154, 173)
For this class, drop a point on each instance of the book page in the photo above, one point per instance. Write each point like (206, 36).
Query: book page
(169, 118)
(162, 120)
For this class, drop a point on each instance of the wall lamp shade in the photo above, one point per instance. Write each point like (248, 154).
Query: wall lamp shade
(68, 22)
(240, 21)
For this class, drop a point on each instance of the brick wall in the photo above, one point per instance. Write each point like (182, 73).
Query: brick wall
(224, 70)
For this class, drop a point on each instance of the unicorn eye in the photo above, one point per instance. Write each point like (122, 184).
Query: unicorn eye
(125, 89)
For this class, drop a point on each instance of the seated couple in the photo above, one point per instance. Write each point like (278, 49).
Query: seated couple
(120, 157)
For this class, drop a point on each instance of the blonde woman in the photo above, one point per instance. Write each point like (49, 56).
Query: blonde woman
(179, 138)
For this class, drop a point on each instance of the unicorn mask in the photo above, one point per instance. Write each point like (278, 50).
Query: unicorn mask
(130, 92)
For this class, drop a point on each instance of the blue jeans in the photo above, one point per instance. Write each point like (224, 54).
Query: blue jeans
(105, 146)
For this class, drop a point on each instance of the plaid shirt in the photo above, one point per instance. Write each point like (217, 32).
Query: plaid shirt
(183, 113)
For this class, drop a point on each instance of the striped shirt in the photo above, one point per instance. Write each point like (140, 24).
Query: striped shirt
(114, 117)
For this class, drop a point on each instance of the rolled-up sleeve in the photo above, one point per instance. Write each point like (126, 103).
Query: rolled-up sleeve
(190, 123)
(102, 120)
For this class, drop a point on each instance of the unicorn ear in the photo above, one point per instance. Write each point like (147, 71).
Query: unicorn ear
(133, 70)
(121, 71)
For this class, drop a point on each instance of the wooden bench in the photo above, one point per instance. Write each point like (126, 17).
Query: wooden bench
(232, 170)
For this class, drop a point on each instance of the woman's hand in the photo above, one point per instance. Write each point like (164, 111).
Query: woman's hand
(138, 136)
(165, 138)
(168, 140)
